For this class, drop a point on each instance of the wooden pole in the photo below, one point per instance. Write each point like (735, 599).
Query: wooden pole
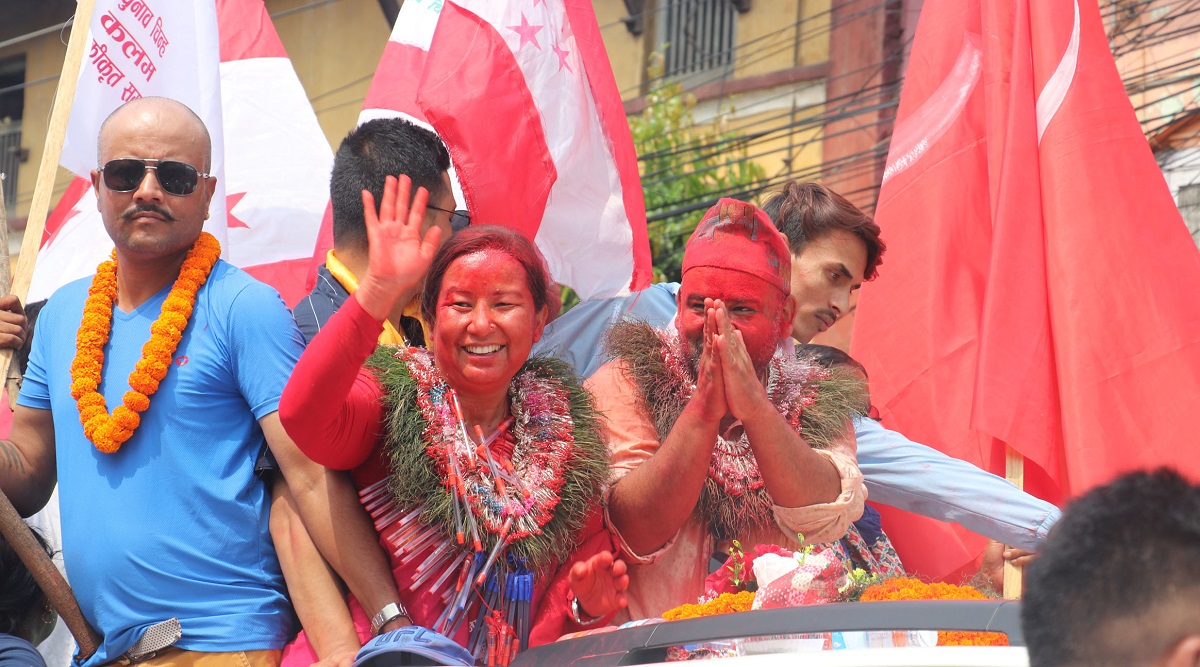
(18, 535)
(16, 532)
(5, 282)
(1015, 473)
(44, 186)
(5, 277)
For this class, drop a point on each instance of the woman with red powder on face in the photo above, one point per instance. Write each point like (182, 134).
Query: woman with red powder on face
(482, 468)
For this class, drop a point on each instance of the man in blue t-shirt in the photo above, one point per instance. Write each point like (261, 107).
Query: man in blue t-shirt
(166, 538)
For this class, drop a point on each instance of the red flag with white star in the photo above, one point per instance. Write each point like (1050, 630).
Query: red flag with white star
(535, 128)
(1038, 287)
(270, 157)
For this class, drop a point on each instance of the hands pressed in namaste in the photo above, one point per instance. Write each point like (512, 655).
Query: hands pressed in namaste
(727, 380)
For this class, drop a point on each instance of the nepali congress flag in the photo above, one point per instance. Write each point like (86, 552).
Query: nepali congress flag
(271, 160)
(1038, 291)
(523, 95)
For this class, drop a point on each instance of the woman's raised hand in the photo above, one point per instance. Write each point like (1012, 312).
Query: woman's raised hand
(398, 254)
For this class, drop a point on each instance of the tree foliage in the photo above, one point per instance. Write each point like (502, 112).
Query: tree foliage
(680, 167)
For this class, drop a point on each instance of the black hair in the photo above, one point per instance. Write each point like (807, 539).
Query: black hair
(21, 600)
(828, 356)
(805, 212)
(371, 152)
(1116, 583)
(32, 310)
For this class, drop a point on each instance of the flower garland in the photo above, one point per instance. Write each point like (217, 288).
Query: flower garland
(904, 588)
(725, 603)
(543, 446)
(557, 456)
(814, 400)
(108, 432)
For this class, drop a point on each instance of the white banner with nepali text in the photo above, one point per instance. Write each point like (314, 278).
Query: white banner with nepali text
(224, 60)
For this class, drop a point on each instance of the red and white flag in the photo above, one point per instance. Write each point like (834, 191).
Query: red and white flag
(271, 160)
(1038, 288)
(523, 95)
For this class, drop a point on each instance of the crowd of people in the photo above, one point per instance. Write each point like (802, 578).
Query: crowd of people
(424, 441)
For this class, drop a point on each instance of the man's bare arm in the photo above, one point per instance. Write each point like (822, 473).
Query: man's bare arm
(794, 474)
(337, 522)
(652, 501)
(315, 590)
(28, 469)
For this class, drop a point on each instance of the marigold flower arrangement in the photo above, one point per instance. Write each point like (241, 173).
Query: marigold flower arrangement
(725, 603)
(896, 588)
(108, 431)
(905, 588)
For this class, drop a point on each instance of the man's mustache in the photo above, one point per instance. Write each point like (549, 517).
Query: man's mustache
(146, 208)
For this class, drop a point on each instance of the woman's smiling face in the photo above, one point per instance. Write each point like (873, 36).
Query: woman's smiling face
(486, 321)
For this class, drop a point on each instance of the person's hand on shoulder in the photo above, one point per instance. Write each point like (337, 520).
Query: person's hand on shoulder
(13, 325)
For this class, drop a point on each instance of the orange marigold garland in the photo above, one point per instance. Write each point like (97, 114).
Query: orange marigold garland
(904, 588)
(725, 603)
(107, 431)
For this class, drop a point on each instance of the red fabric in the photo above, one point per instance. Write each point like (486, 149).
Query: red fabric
(525, 119)
(1037, 292)
(289, 276)
(738, 236)
(506, 176)
(330, 405)
(344, 435)
(384, 93)
(65, 209)
(246, 31)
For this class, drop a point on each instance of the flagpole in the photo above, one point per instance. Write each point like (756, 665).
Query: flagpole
(1014, 465)
(6, 260)
(44, 186)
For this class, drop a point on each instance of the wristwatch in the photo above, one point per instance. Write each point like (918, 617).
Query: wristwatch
(581, 617)
(390, 612)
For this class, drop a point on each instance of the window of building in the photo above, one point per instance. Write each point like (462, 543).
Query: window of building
(12, 107)
(1188, 200)
(696, 36)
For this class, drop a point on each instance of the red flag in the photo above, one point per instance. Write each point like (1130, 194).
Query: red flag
(535, 128)
(1037, 289)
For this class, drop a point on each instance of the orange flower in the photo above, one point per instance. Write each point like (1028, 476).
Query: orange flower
(725, 603)
(903, 588)
(107, 432)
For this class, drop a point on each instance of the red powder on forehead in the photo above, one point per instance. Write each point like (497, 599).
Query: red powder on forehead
(485, 271)
(761, 326)
(739, 237)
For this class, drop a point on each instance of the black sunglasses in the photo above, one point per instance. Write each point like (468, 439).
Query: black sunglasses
(459, 220)
(175, 178)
